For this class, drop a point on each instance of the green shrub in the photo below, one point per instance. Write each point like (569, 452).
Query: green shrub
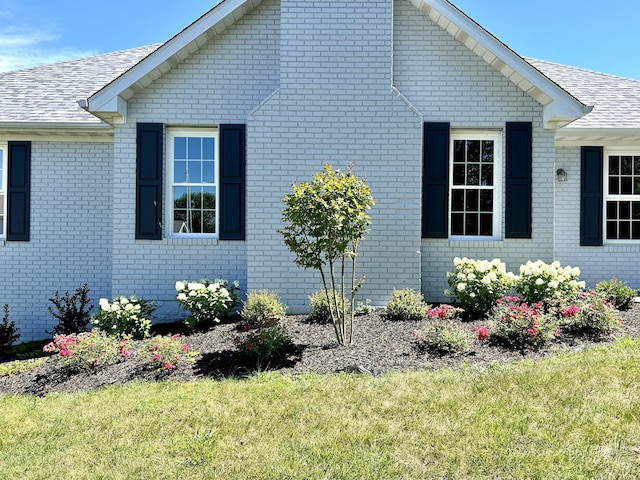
(319, 307)
(73, 312)
(269, 344)
(477, 284)
(207, 301)
(20, 366)
(8, 332)
(442, 337)
(591, 314)
(364, 308)
(618, 293)
(124, 316)
(262, 306)
(406, 304)
(541, 282)
(519, 325)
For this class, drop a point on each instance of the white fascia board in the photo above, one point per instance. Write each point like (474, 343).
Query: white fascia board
(560, 107)
(607, 137)
(105, 100)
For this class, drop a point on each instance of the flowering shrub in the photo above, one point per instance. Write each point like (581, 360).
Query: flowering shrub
(477, 284)
(167, 353)
(88, 350)
(207, 301)
(482, 332)
(270, 343)
(519, 325)
(591, 314)
(124, 317)
(441, 335)
(618, 293)
(539, 281)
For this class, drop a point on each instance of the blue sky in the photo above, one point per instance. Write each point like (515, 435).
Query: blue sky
(590, 34)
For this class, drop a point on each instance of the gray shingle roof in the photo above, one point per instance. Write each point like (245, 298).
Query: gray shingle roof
(616, 100)
(49, 94)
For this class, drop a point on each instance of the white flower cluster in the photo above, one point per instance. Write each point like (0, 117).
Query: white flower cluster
(122, 303)
(194, 289)
(539, 280)
(124, 316)
(206, 301)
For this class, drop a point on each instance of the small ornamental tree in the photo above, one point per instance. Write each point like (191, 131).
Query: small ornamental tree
(325, 222)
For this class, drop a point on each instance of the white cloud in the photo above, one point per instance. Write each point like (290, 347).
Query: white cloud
(23, 48)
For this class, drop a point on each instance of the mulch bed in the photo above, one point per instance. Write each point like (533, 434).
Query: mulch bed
(380, 346)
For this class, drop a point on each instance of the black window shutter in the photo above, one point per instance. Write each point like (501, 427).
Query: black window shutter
(435, 180)
(591, 196)
(518, 180)
(232, 182)
(18, 191)
(149, 144)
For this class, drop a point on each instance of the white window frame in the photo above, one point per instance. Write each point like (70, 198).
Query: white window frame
(497, 187)
(172, 133)
(4, 164)
(618, 152)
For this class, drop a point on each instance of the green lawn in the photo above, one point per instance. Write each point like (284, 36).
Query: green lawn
(573, 416)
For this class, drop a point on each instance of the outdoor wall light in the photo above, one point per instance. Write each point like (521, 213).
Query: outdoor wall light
(561, 175)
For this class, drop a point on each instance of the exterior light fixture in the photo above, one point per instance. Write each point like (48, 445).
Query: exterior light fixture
(561, 175)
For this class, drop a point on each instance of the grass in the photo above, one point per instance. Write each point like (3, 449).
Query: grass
(572, 416)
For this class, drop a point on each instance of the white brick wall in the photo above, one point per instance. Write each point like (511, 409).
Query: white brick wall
(70, 241)
(595, 263)
(335, 105)
(447, 82)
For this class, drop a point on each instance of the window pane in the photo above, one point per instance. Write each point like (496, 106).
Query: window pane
(471, 224)
(458, 151)
(208, 175)
(180, 148)
(487, 175)
(196, 221)
(624, 231)
(473, 174)
(195, 148)
(636, 185)
(208, 149)
(635, 214)
(472, 200)
(626, 166)
(209, 221)
(612, 230)
(180, 221)
(457, 200)
(486, 200)
(626, 185)
(636, 165)
(209, 200)
(194, 173)
(612, 210)
(614, 165)
(179, 171)
(473, 150)
(457, 224)
(624, 210)
(614, 186)
(486, 224)
(180, 197)
(458, 174)
(487, 151)
(635, 230)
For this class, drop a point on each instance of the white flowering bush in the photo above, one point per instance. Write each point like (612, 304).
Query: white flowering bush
(542, 282)
(207, 301)
(124, 316)
(477, 284)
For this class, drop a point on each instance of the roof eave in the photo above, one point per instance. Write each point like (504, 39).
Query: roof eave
(107, 103)
(560, 107)
(37, 130)
(603, 136)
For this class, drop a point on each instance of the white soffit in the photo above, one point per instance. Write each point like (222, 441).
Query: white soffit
(109, 103)
(560, 107)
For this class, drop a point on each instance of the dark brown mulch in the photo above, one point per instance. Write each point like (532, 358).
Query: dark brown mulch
(380, 346)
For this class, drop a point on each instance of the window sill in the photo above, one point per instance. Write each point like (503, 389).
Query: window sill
(206, 241)
(475, 243)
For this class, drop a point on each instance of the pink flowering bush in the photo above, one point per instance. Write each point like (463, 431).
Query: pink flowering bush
(167, 353)
(591, 314)
(88, 350)
(441, 334)
(519, 325)
(269, 343)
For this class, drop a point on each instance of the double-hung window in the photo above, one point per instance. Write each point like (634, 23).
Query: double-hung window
(622, 190)
(475, 179)
(193, 187)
